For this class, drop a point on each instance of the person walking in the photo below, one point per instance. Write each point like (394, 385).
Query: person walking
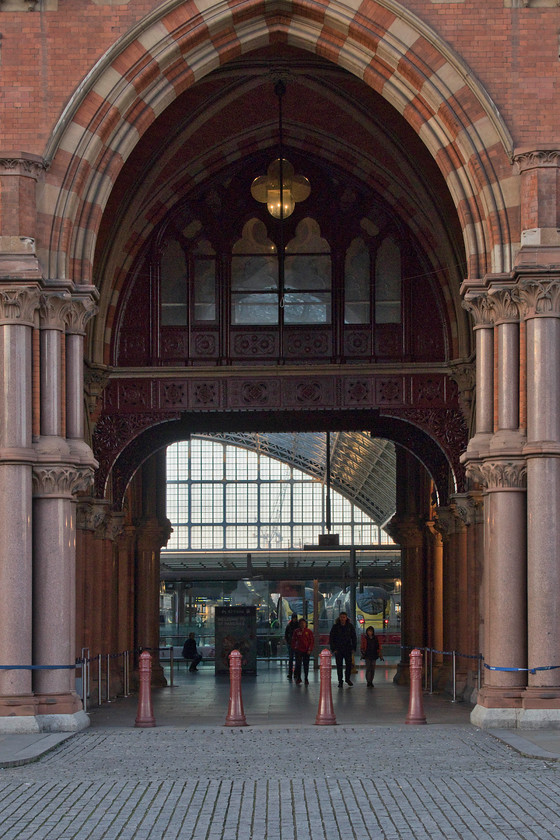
(303, 642)
(190, 652)
(343, 641)
(371, 652)
(291, 627)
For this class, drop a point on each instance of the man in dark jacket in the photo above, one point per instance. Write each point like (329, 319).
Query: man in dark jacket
(190, 652)
(343, 641)
(291, 626)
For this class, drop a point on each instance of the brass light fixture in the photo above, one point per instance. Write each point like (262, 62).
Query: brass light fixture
(280, 188)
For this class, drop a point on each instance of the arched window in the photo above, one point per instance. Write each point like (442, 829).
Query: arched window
(388, 282)
(173, 285)
(307, 281)
(357, 283)
(254, 277)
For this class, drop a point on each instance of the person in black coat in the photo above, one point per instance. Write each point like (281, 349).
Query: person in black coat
(291, 627)
(371, 652)
(190, 652)
(342, 641)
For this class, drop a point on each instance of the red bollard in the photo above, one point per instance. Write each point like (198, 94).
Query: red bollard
(415, 706)
(145, 715)
(235, 715)
(325, 713)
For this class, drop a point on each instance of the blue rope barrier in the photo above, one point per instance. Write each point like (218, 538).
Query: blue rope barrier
(529, 670)
(37, 667)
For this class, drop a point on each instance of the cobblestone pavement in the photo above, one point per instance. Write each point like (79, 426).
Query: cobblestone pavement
(397, 782)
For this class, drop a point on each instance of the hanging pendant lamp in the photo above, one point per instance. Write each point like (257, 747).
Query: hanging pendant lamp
(280, 188)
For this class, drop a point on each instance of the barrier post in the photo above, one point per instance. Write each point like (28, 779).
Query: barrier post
(99, 680)
(454, 672)
(145, 715)
(171, 663)
(415, 707)
(325, 713)
(431, 671)
(235, 714)
(108, 666)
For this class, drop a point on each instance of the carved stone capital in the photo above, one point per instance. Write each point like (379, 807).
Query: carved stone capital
(464, 375)
(53, 310)
(60, 480)
(536, 159)
(499, 474)
(481, 309)
(468, 507)
(18, 305)
(91, 515)
(82, 309)
(448, 521)
(407, 531)
(28, 166)
(538, 297)
(504, 306)
(96, 378)
(153, 534)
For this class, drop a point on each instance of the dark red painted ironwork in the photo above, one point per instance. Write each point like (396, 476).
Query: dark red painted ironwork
(235, 715)
(145, 715)
(415, 707)
(325, 713)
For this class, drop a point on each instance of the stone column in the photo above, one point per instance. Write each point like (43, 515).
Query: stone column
(479, 305)
(57, 478)
(541, 304)
(505, 644)
(18, 305)
(54, 590)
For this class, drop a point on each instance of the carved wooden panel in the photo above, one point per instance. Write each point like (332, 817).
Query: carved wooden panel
(357, 343)
(307, 343)
(254, 344)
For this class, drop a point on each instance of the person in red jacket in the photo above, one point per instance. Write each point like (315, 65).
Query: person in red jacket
(303, 642)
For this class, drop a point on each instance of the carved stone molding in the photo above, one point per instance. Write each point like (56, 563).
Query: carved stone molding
(499, 474)
(60, 481)
(536, 159)
(18, 305)
(538, 297)
(481, 309)
(53, 310)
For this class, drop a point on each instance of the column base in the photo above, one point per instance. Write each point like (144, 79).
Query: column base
(18, 705)
(58, 704)
(495, 718)
(33, 724)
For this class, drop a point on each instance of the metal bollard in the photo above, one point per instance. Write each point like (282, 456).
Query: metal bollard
(415, 707)
(325, 713)
(235, 715)
(145, 715)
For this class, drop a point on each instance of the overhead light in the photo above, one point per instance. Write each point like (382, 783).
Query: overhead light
(280, 188)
